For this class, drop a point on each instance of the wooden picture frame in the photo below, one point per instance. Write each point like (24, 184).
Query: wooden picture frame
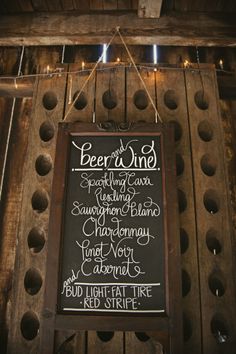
(57, 314)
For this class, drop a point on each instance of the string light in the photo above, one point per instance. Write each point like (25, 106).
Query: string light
(70, 89)
(186, 64)
(83, 65)
(118, 60)
(221, 64)
(104, 53)
(15, 84)
(154, 54)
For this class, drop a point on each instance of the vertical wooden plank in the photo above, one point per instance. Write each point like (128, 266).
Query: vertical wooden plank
(54, 5)
(70, 342)
(10, 209)
(124, 4)
(81, 5)
(28, 286)
(141, 343)
(149, 8)
(171, 104)
(9, 60)
(213, 222)
(83, 108)
(67, 5)
(110, 94)
(5, 114)
(105, 342)
(26, 6)
(40, 5)
(110, 4)
(138, 104)
(96, 5)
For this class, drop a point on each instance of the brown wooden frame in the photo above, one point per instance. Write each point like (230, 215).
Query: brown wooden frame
(168, 327)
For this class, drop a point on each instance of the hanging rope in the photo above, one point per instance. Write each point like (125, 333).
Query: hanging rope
(157, 115)
(88, 78)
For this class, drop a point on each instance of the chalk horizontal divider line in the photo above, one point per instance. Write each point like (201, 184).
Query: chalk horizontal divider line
(114, 169)
(104, 310)
(117, 284)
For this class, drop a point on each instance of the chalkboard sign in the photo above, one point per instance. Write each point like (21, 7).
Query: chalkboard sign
(113, 243)
(113, 251)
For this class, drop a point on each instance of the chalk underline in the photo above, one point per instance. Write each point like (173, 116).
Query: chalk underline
(107, 310)
(128, 284)
(114, 169)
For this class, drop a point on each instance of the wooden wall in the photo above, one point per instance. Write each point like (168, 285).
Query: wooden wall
(201, 169)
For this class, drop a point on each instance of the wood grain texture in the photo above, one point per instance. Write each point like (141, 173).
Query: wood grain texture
(173, 82)
(21, 300)
(217, 309)
(171, 29)
(10, 209)
(149, 8)
(99, 346)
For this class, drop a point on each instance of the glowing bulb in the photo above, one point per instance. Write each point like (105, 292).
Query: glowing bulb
(48, 69)
(154, 54)
(15, 83)
(83, 65)
(104, 53)
(186, 63)
(118, 60)
(221, 64)
(155, 69)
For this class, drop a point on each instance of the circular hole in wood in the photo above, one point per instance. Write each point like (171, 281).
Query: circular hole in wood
(142, 336)
(109, 99)
(46, 131)
(219, 328)
(49, 100)
(211, 201)
(182, 201)
(36, 239)
(184, 241)
(105, 336)
(205, 131)
(33, 281)
(177, 130)
(171, 99)
(179, 165)
(29, 325)
(201, 100)
(43, 164)
(39, 200)
(81, 101)
(216, 284)
(208, 165)
(186, 283)
(187, 328)
(213, 244)
(140, 99)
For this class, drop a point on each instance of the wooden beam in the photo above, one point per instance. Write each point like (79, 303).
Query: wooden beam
(185, 29)
(149, 8)
(24, 88)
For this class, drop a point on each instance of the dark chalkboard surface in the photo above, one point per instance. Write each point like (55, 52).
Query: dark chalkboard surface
(113, 244)
(113, 259)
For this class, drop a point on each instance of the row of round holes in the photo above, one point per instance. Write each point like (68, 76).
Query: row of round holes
(36, 237)
(216, 282)
(140, 100)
